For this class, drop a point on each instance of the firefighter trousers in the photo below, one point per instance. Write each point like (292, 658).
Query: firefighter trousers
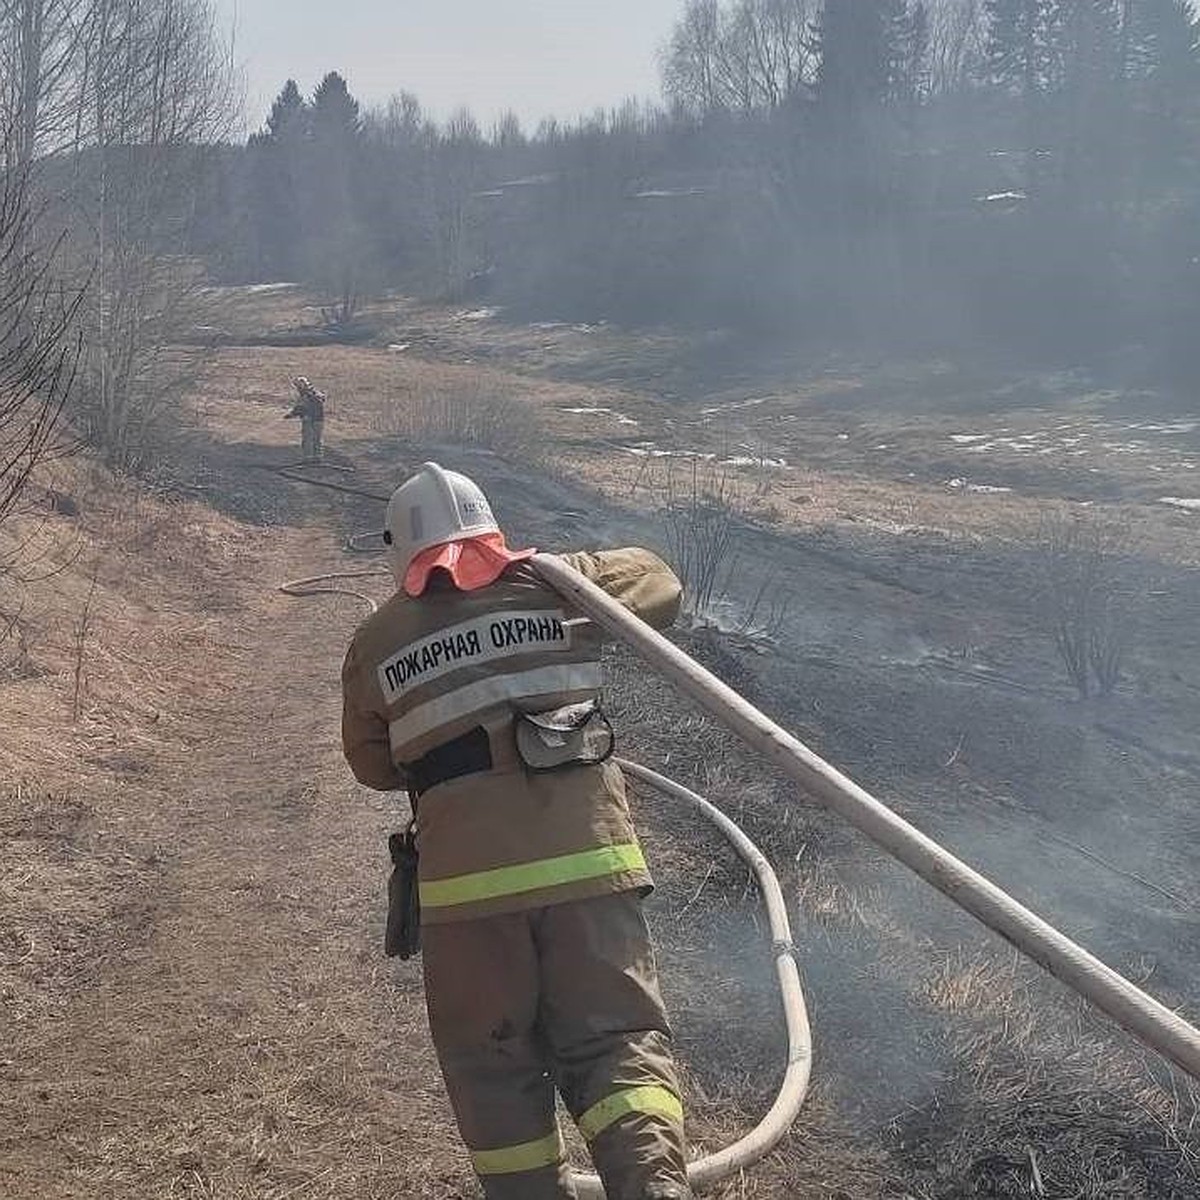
(563, 997)
(310, 439)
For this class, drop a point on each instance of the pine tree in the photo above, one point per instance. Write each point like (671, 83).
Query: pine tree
(276, 182)
(1162, 42)
(864, 56)
(1161, 68)
(1022, 44)
(337, 245)
(335, 114)
(289, 114)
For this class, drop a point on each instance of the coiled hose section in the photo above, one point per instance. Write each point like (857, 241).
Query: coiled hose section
(771, 1129)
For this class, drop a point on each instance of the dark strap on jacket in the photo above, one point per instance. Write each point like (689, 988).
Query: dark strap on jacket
(467, 754)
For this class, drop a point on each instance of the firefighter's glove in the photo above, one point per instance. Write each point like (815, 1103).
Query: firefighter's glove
(403, 936)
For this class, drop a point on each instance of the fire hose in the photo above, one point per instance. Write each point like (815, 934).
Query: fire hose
(1140, 1014)
(1148, 1020)
(794, 1085)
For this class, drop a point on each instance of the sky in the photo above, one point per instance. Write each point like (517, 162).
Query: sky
(538, 57)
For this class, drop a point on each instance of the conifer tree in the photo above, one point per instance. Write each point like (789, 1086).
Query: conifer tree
(288, 116)
(277, 174)
(1019, 56)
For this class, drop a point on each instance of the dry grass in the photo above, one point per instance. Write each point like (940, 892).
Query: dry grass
(192, 893)
(466, 407)
(190, 979)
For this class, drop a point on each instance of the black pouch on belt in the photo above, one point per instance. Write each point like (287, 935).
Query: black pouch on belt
(402, 938)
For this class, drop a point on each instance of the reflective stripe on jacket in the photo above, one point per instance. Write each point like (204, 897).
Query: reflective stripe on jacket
(421, 672)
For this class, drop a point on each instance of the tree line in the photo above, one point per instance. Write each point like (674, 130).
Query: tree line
(109, 114)
(1021, 173)
(1012, 174)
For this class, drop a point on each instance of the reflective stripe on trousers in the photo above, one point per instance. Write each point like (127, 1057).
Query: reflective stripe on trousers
(651, 1101)
(550, 1150)
(528, 1156)
(532, 876)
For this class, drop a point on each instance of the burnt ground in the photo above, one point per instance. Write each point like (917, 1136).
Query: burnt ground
(222, 1024)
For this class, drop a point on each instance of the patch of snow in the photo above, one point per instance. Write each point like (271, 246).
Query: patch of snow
(1175, 427)
(721, 408)
(649, 450)
(398, 347)
(620, 417)
(884, 525)
(1191, 503)
(982, 489)
(528, 181)
(668, 193)
(746, 460)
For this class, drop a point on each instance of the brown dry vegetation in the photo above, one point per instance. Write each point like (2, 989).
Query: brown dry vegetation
(192, 991)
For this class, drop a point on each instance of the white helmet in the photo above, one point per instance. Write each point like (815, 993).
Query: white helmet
(433, 507)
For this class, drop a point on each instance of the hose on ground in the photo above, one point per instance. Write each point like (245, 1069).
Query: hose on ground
(794, 1086)
(315, 585)
(1140, 1014)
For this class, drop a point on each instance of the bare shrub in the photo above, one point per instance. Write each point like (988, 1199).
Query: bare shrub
(700, 517)
(82, 630)
(1086, 597)
(471, 410)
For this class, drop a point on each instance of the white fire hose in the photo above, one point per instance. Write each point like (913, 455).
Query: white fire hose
(1140, 1014)
(790, 1096)
(1150, 1022)
(771, 1129)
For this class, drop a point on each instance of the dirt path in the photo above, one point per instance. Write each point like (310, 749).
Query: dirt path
(230, 1027)
(194, 999)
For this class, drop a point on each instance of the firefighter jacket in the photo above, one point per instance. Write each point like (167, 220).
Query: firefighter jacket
(422, 672)
(310, 406)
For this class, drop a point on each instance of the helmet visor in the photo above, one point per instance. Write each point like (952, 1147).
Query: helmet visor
(471, 563)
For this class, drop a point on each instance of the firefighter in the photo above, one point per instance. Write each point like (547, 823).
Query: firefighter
(310, 408)
(477, 692)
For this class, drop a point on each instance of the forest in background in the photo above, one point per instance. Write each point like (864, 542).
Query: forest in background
(954, 176)
(1012, 174)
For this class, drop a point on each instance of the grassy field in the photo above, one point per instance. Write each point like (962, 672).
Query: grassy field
(192, 988)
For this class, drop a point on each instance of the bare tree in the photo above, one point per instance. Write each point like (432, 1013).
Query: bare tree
(745, 56)
(41, 42)
(37, 348)
(957, 37)
(155, 86)
(455, 165)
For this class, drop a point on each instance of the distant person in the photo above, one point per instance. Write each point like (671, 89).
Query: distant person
(310, 408)
(475, 689)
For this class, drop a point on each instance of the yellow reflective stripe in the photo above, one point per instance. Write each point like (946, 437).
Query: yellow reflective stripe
(530, 876)
(528, 1156)
(654, 1100)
